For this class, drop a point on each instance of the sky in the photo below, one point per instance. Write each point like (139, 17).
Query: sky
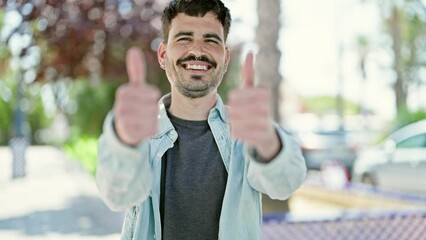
(309, 41)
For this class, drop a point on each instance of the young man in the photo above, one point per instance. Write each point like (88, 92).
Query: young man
(188, 167)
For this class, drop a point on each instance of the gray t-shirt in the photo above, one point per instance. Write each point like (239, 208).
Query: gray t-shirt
(193, 183)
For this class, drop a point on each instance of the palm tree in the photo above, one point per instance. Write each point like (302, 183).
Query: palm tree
(405, 24)
(267, 70)
(268, 57)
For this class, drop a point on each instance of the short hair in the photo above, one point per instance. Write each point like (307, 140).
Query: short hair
(195, 8)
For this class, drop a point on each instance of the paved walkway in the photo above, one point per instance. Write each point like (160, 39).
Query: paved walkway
(56, 200)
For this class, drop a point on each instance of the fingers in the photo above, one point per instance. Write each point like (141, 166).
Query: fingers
(136, 112)
(248, 71)
(250, 124)
(250, 114)
(136, 66)
(136, 103)
(248, 106)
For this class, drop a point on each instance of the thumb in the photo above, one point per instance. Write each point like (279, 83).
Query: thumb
(136, 66)
(248, 71)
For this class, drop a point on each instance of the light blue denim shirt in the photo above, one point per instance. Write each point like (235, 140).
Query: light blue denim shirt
(129, 178)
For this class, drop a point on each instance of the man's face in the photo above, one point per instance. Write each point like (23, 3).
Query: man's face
(195, 56)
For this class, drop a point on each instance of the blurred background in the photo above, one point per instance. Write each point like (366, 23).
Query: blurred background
(347, 77)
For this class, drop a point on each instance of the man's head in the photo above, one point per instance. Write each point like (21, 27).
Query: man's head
(195, 8)
(194, 53)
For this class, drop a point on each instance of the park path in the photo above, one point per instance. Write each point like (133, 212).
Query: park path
(55, 200)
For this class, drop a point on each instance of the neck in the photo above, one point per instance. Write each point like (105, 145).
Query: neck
(196, 109)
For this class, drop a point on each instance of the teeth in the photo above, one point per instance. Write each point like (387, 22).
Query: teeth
(197, 67)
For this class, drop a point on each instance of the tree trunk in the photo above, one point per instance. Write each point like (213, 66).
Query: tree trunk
(268, 57)
(267, 71)
(399, 86)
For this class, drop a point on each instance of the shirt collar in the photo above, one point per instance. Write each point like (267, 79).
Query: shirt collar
(219, 110)
(163, 120)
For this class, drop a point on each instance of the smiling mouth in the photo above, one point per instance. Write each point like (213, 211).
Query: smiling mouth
(196, 67)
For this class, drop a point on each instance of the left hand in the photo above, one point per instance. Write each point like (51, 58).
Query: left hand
(250, 115)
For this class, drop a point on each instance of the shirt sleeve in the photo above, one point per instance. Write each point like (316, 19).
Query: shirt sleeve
(123, 175)
(284, 174)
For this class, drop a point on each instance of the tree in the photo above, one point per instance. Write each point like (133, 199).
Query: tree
(75, 40)
(268, 57)
(267, 70)
(363, 46)
(89, 38)
(405, 23)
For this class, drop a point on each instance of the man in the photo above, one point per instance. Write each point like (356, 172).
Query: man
(188, 167)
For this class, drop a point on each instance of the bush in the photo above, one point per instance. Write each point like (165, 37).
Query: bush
(90, 106)
(85, 151)
(32, 105)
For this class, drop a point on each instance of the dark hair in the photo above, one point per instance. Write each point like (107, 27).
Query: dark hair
(195, 8)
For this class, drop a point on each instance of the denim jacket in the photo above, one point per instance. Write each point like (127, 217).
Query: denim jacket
(129, 178)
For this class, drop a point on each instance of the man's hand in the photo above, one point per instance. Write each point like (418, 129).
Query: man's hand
(250, 115)
(136, 103)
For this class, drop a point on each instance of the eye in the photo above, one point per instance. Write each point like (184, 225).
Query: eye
(212, 41)
(183, 39)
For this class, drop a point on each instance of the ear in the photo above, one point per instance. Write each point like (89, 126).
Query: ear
(161, 54)
(227, 57)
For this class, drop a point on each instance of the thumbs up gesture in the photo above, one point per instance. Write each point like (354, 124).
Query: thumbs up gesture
(136, 103)
(250, 115)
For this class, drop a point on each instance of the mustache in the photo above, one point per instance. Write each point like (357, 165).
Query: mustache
(192, 57)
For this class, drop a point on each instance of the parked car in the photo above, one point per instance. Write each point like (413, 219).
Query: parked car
(398, 163)
(322, 147)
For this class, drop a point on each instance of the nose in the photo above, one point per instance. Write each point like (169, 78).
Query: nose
(197, 48)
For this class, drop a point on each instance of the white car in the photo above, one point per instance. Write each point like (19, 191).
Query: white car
(398, 163)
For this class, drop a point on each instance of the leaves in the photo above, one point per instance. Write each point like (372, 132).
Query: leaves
(80, 38)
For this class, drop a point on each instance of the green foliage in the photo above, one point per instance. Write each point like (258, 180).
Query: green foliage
(406, 117)
(5, 112)
(326, 104)
(413, 43)
(33, 106)
(36, 114)
(92, 104)
(232, 77)
(403, 118)
(85, 151)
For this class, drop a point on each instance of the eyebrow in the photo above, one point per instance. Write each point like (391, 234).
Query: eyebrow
(212, 35)
(206, 35)
(179, 34)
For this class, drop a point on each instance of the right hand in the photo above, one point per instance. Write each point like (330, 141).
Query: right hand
(136, 103)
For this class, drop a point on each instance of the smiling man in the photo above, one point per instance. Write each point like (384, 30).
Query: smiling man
(185, 166)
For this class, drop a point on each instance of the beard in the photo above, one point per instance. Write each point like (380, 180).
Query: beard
(195, 86)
